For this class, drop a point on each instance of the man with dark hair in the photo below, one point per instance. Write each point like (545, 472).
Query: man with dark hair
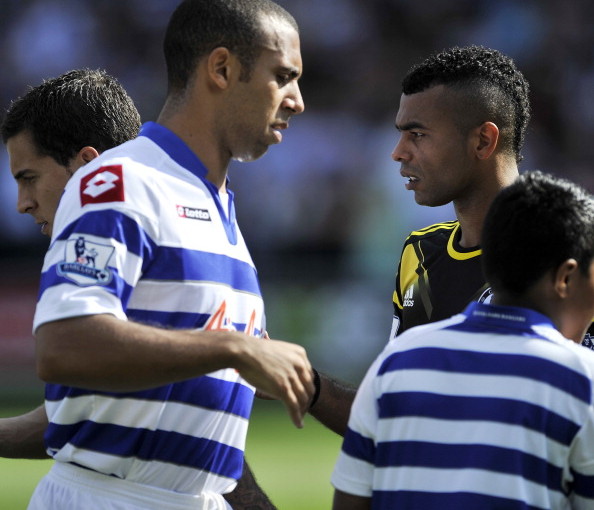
(155, 416)
(45, 149)
(493, 407)
(59, 126)
(50, 132)
(462, 120)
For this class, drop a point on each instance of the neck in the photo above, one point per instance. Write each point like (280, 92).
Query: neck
(472, 208)
(198, 136)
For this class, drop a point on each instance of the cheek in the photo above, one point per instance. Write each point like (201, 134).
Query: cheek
(51, 195)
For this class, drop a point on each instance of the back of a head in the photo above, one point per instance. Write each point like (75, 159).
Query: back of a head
(533, 226)
(80, 108)
(492, 90)
(197, 27)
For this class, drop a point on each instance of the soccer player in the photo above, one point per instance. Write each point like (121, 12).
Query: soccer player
(151, 355)
(462, 118)
(493, 407)
(50, 132)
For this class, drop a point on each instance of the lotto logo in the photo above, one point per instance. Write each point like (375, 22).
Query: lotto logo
(105, 184)
(193, 213)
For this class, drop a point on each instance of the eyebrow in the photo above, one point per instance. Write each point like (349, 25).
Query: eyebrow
(410, 125)
(21, 174)
(293, 72)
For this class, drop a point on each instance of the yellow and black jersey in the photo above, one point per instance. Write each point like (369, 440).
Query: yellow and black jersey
(437, 278)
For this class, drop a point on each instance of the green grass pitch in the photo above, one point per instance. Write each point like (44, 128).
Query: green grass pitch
(292, 465)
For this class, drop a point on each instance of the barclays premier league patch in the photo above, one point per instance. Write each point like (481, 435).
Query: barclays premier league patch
(85, 262)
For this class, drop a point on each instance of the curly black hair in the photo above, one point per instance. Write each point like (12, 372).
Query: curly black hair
(492, 88)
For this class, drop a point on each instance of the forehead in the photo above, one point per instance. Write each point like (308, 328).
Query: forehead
(24, 155)
(435, 106)
(281, 42)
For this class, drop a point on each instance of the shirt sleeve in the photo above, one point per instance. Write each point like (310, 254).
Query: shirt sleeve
(97, 254)
(580, 476)
(354, 469)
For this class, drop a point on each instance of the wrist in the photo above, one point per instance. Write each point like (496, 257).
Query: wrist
(317, 384)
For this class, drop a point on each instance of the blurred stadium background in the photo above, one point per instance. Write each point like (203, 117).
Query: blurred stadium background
(326, 212)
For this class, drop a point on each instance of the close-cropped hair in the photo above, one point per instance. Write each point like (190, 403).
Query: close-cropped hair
(197, 27)
(532, 227)
(80, 108)
(491, 88)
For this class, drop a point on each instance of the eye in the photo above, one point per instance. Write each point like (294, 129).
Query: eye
(283, 79)
(27, 179)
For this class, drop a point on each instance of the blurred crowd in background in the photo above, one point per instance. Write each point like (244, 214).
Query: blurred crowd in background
(326, 212)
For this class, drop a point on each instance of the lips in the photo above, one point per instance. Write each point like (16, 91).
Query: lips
(277, 128)
(407, 175)
(280, 126)
(43, 227)
(412, 180)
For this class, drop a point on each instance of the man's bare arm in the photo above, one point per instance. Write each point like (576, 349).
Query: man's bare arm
(333, 405)
(248, 495)
(101, 352)
(21, 437)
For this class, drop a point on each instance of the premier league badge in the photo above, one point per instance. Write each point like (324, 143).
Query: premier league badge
(85, 262)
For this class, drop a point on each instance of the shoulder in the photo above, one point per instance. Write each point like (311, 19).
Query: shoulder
(443, 229)
(575, 356)
(424, 335)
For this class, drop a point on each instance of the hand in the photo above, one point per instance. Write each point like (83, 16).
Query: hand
(261, 394)
(280, 370)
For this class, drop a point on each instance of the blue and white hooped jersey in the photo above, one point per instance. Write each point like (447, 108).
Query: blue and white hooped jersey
(489, 409)
(142, 235)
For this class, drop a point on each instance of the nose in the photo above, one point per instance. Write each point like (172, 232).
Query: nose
(399, 153)
(294, 101)
(25, 203)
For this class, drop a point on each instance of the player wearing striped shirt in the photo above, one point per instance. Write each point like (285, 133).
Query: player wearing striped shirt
(437, 277)
(462, 120)
(494, 407)
(149, 301)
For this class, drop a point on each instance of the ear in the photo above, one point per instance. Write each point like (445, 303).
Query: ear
(221, 64)
(563, 277)
(83, 156)
(488, 135)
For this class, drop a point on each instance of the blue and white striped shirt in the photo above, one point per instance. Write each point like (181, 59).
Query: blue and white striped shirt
(142, 235)
(489, 409)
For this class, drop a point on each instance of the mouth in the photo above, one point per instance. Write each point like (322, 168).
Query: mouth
(43, 226)
(411, 180)
(277, 128)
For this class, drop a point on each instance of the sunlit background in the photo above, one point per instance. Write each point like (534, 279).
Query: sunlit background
(326, 212)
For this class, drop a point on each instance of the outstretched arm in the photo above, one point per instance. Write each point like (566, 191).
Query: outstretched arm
(248, 495)
(101, 352)
(333, 405)
(21, 437)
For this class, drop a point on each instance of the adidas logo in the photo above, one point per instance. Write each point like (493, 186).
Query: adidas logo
(408, 297)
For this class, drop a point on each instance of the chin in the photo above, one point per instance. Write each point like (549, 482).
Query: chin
(430, 202)
(247, 156)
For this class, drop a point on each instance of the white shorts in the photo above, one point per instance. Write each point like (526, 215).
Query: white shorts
(67, 487)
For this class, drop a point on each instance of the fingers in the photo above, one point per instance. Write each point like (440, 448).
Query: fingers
(281, 370)
(299, 395)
